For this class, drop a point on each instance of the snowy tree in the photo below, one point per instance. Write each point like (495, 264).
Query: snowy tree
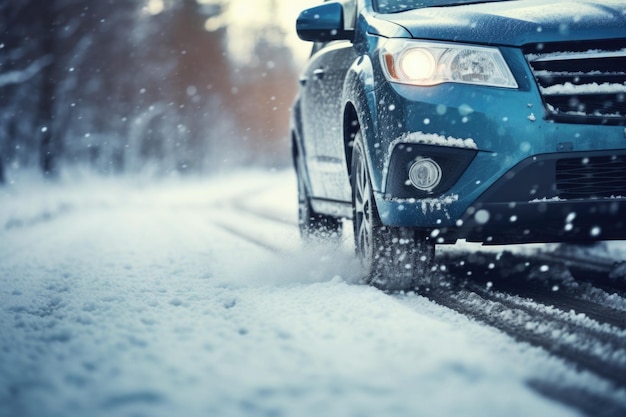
(21, 68)
(125, 85)
(267, 84)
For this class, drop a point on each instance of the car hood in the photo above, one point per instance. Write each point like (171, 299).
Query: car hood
(516, 23)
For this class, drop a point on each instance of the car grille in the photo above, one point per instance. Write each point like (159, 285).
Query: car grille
(594, 177)
(582, 82)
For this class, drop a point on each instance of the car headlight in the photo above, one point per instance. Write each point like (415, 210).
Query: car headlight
(430, 63)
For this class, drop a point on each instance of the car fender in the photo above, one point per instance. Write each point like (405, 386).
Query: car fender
(359, 93)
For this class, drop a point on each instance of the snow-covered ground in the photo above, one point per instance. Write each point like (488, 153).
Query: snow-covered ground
(131, 298)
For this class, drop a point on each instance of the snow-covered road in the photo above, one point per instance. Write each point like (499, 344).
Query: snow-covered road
(196, 298)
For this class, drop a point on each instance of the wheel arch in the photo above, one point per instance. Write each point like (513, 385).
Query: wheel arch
(351, 126)
(296, 130)
(360, 112)
(295, 151)
(298, 152)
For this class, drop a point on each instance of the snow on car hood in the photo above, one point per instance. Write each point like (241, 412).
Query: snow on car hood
(516, 22)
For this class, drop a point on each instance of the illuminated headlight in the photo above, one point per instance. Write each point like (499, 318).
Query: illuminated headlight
(425, 174)
(430, 63)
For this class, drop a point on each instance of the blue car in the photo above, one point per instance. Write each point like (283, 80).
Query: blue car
(430, 121)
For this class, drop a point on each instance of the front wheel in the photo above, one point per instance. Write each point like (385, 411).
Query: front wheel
(394, 258)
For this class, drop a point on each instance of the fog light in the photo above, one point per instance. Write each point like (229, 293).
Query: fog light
(425, 174)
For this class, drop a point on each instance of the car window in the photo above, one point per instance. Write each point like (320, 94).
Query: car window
(395, 6)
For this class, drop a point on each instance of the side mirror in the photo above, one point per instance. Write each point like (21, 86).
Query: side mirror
(322, 23)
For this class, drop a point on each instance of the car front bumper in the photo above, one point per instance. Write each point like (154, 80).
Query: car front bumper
(509, 177)
(546, 198)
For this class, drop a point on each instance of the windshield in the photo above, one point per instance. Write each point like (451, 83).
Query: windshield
(395, 6)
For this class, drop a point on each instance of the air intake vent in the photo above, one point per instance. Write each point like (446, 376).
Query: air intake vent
(595, 177)
(583, 82)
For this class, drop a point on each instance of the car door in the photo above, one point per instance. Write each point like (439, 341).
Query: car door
(322, 118)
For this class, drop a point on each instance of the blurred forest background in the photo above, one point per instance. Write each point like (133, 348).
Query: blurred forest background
(128, 86)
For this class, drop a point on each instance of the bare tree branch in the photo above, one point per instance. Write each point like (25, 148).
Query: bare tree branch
(20, 76)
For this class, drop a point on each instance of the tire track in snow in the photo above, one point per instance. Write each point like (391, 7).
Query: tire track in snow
(544, 280)
(535, 300)
(604, 356)
(592, 404)
(241, 219)
(248, 237)
(587, 349)
(261, 214)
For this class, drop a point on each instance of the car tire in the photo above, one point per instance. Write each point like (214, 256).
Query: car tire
(393, 258)
(313, 225)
